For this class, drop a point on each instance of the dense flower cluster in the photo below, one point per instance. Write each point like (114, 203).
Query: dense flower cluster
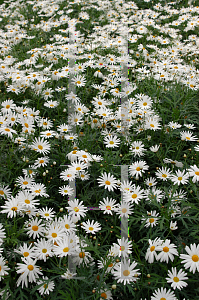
(42, 74)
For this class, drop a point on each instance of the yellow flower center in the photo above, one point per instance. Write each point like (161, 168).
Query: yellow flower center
(2, 193)
(35, 228)
(107, 182)
(145, 103)
(54, 235)
(197, 173)
(152, 125)
(126, 273)
(76, 209)
(151, 220)
(138, 169)
(176, 279)
(27, 201)
(110, 265)
(134, 196)
(124, 210)
(122, 248)
(163, 299)
(108, 207)
(40, 147)
(25, 182)
(188, 138)
(104, 295)
(44, 250)
(66, 249)
(41, 161)
(67, 226)
(111, 142)
(45, 285)
(14, 208)
(46, 214)
(179, 178)
(164, 175)
(90, 228)
(7, 106)
(81, 254)
(25, 254)
(195, 258)
(166, 249)
(30, 267)
(152, 248)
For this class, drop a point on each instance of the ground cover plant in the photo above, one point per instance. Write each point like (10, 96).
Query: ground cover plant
(99, 161)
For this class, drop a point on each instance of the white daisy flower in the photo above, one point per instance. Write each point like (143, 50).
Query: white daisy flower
(108, 205)
(176, 279)
(187, 136)
(180, 177)
(124, 272)
(68, 275)
(137, 148)
(64, 247)
(76, 208)
(167, 251)
(91, 227)
(124, 209)
(152, 221)
(138, 168)
(47, 287)
(40, 145)
(11, 207)
(42, 249)
(163, 294)
(3, 267)
(151, 251)
(194, 173)
(108, 181)
(46, 213)
(191, 261)
(30, 272)
(66, 190)
(25, 250)
(124, 246)
(35, 228)
(55, 233)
